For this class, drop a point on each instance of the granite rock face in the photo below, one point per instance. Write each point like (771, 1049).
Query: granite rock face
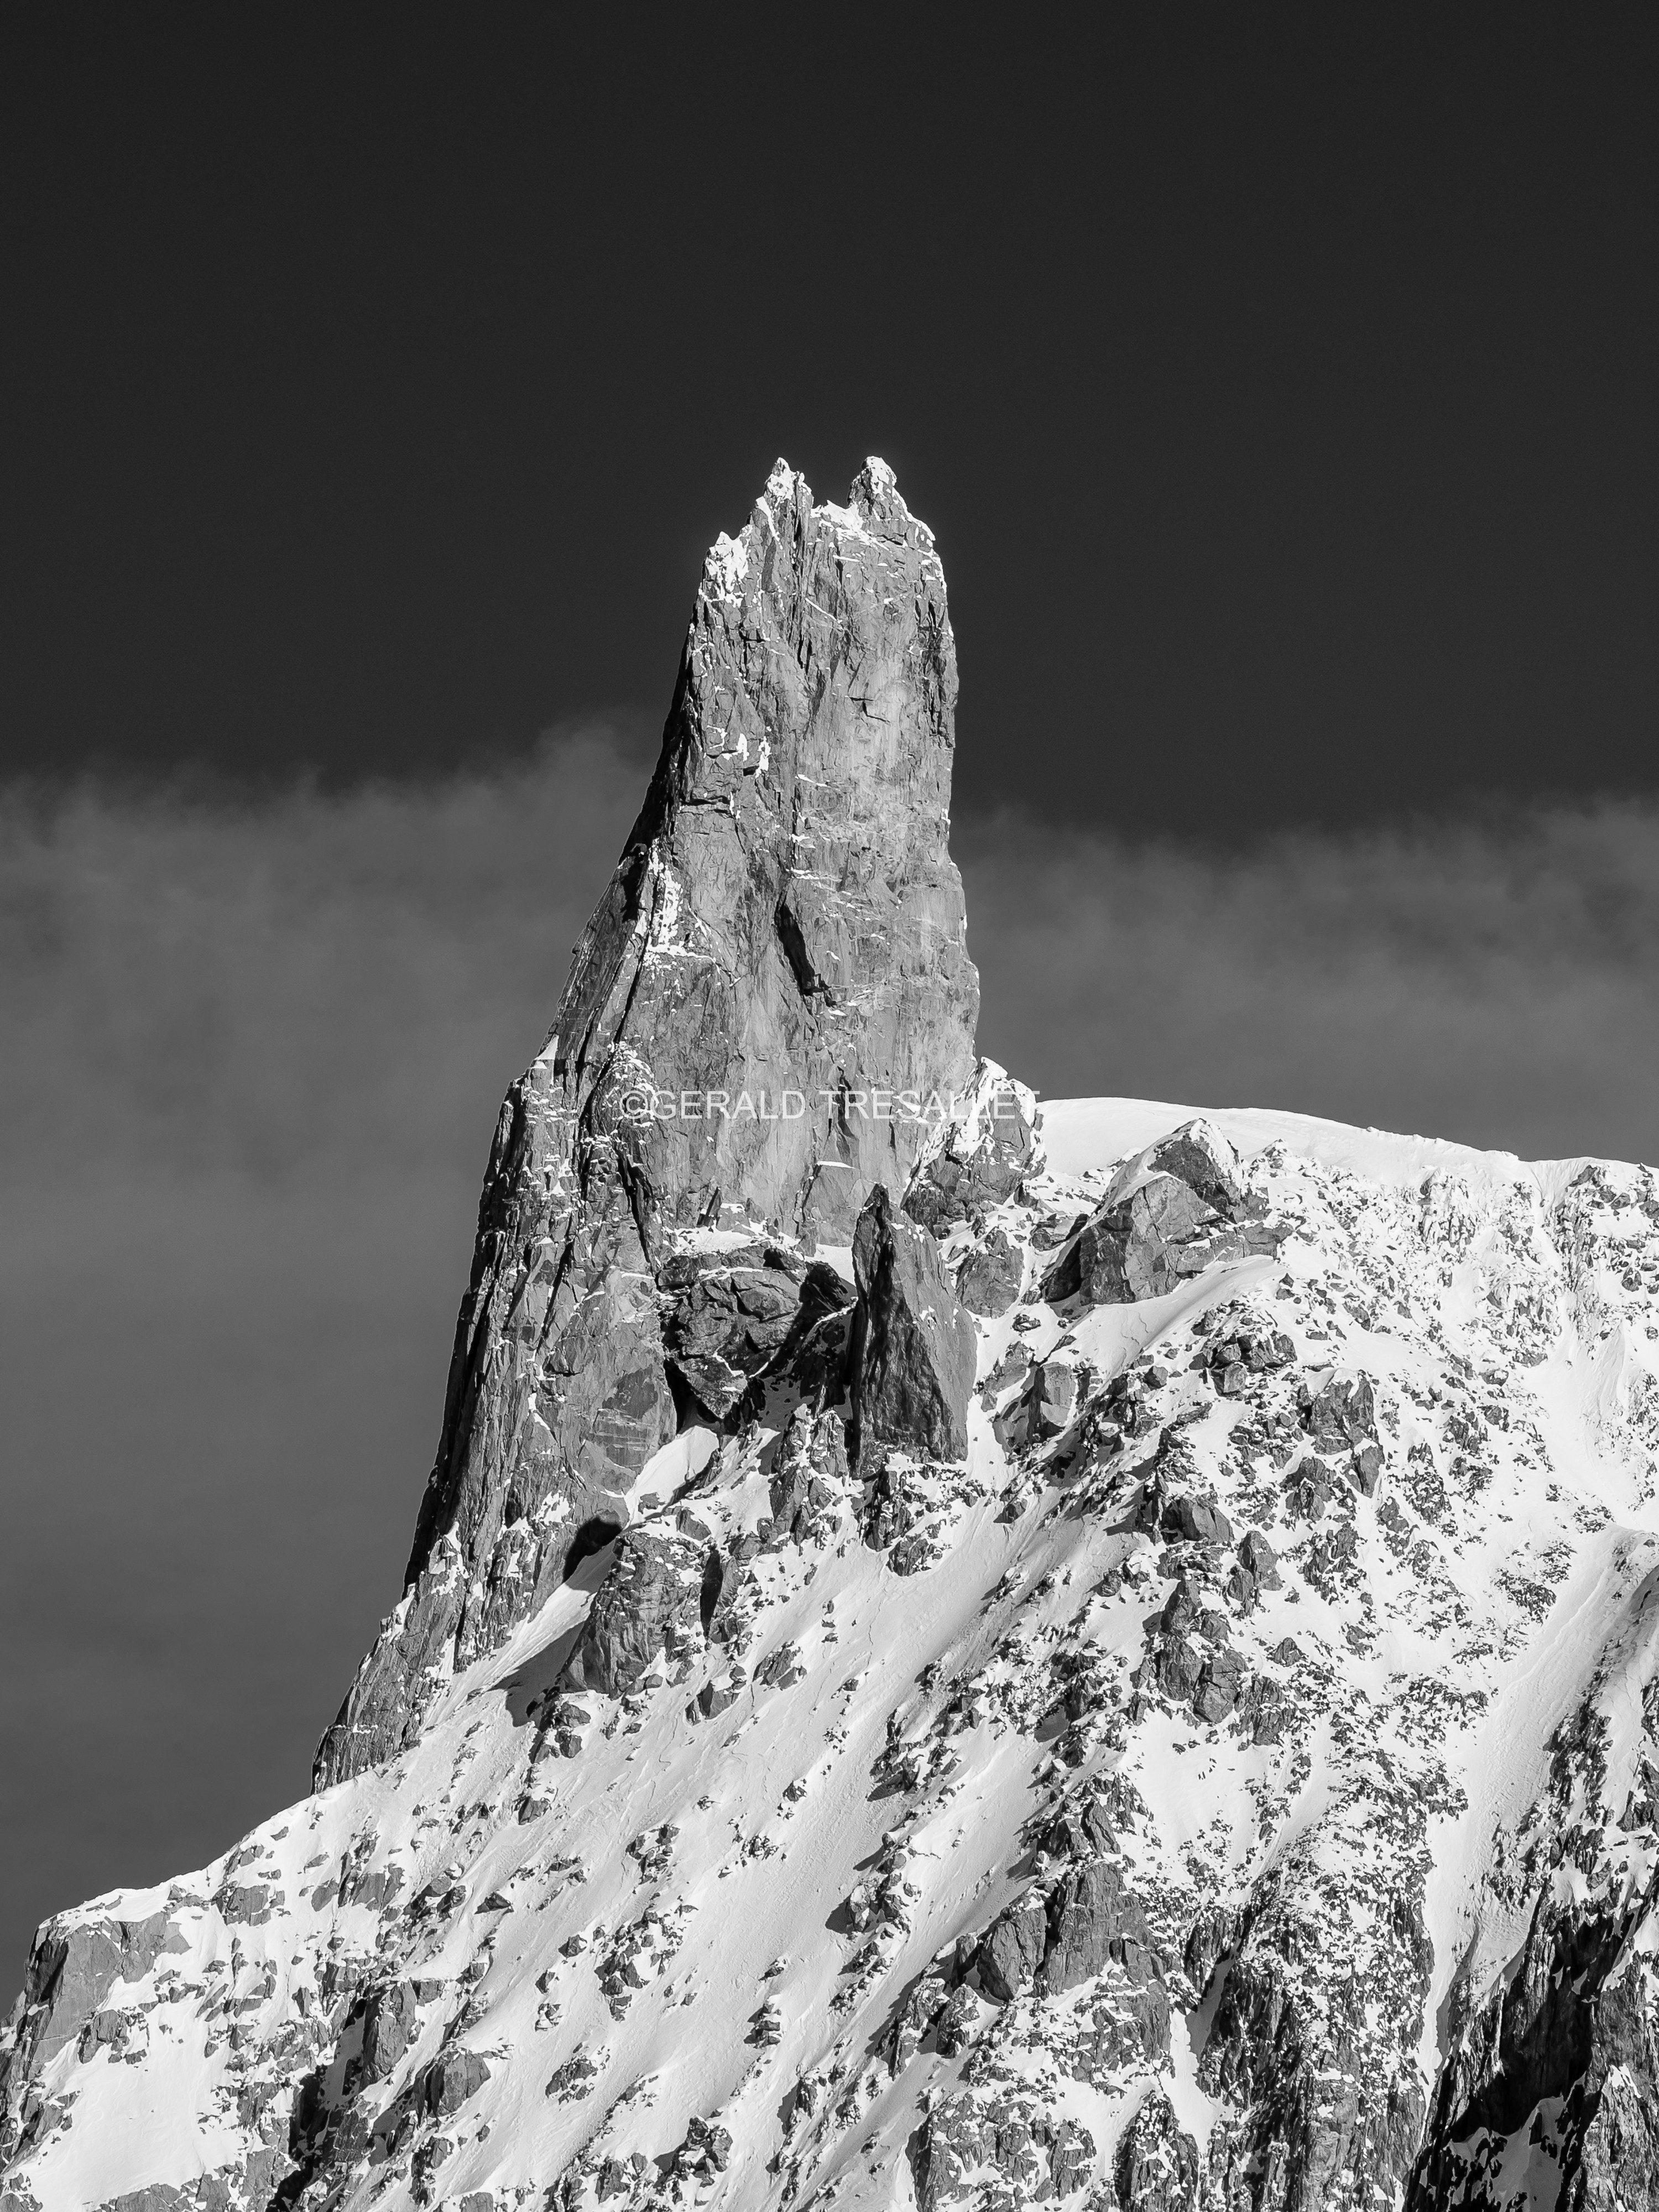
(730, 1315)
(915, 1348)
(769, 1014)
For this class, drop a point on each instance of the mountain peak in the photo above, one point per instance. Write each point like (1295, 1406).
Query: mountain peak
(770, 997)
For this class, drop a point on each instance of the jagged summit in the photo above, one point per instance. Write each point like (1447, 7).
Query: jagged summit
(953, 1658)
(785, 935)
(786, 914)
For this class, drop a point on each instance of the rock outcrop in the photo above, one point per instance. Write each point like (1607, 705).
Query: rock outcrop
(1174, 1210)
(769, 1015)
(914, 1346)
(734, 1318)
(1157, 2161)
(982, 1161)
(991, 1276)
(647, 1608)
(72, 1973)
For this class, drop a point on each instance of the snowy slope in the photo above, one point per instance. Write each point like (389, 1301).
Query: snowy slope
(736, 1957)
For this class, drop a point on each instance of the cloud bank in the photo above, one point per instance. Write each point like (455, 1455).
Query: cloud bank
(1494, 982)
(253, 1055)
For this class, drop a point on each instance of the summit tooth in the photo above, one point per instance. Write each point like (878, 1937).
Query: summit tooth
(727, 1051)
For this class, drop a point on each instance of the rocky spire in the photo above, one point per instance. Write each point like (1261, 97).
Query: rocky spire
(779, 955)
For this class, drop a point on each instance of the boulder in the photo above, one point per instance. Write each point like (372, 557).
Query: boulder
(958, 2023)
(1181, 1608)
(1176, 1667)
(706, 2148)
(1342, 1415)
(1366, 1467)
(1054, 1392)
(1094, 1919)
(1012, 1950)
(886, 1514)
(1269, 1349)
(1044, 1409)
(1256, 1556)
(1198, 1155)
(1218, 1687)
(731, 1318)
(1167, 1214)
(726, 1317)
(914, 1351)
(1308, 1491)
(713, 1699)
(1190, 1519)
(982, 1161)
(810, 1474)
(989, 1279)
(1242, 1589)
(1255, 1569)
(450, 2078)
(650, 1602)
(390, 2021)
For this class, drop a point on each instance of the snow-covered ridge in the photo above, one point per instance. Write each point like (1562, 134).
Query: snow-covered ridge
(1284, 1646)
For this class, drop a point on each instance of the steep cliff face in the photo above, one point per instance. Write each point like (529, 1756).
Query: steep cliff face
(958, 1660)
(767, 1014)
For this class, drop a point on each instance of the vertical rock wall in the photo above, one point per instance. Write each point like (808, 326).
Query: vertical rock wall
(785, 927)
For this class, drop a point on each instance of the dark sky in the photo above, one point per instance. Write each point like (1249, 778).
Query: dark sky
(371, 389)
(1279, 383)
